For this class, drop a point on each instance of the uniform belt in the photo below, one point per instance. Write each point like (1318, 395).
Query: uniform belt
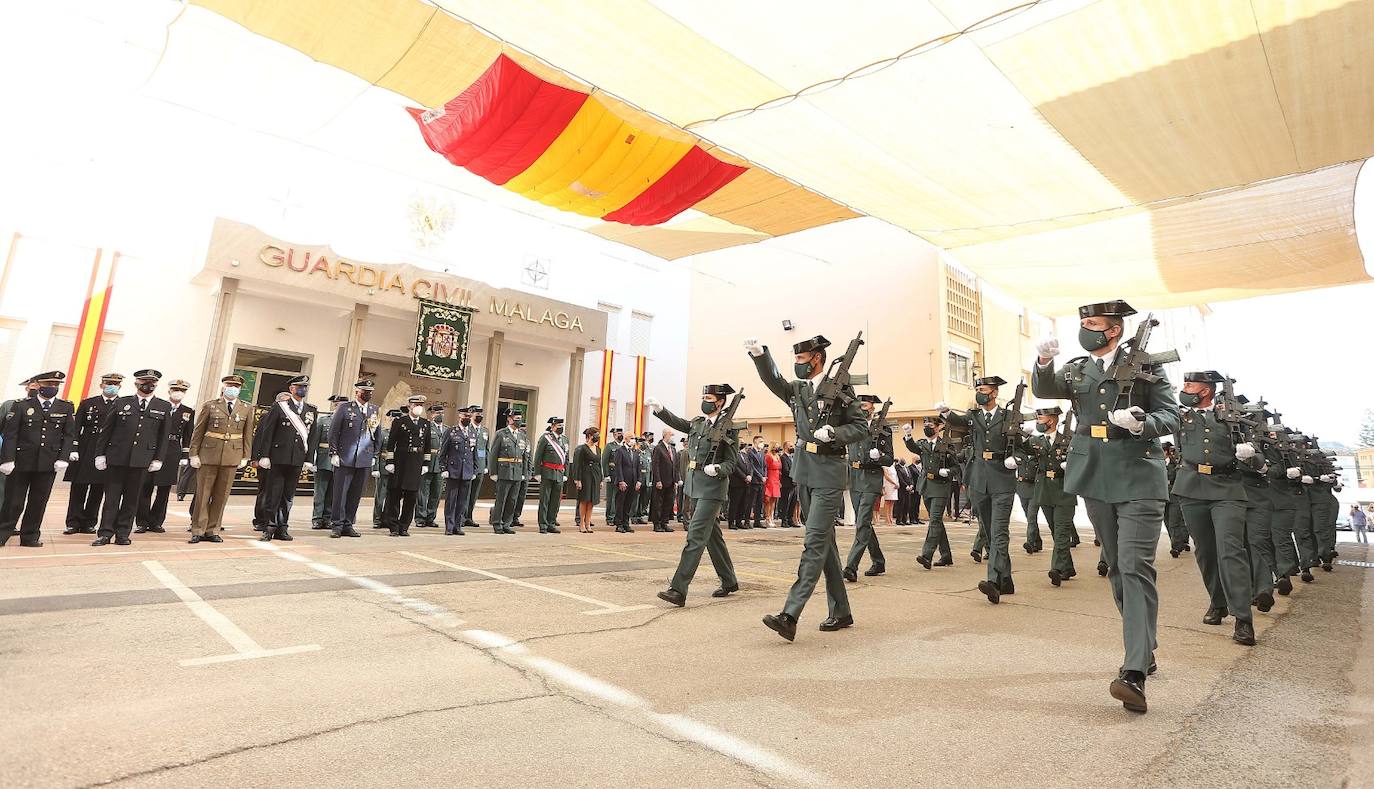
(1213, 471)
(817, 448)
(1051, 474)
(324, 445)
(987, 455)
(930, 475)
(855, 464)
(691, 464)
(508, 460)
(554, 466)
(224, 436)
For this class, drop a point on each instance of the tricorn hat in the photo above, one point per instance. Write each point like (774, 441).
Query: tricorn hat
(814, 344)
(989, 380)
(553, 420)
(1204, 377)
(718, 389)
(1110, 309)
(868, 398)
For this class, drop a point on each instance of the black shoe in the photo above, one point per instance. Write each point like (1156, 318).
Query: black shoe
(99, 541)
(508, 530)
(923, 561)
(1264, 601)
(266, 536)
(731, 526)
(552, 530)
(213, 538)
(1285, 586)
(1102, 569)
(782, 624)
(1028, 548)
(1327, 567)
(1074, 544)
(850, 575)
(1129, 689)
(543, 531)
(318, 526)
(628, 530)
(1071, 573)
(351, 532)
(725, 591)
(140, 529)
(469, 524)
(87, 530)
(1055, 578)
(1097, 543)
(994, 594)
(876, 569)
(1173, 553)
(673, 596)
(38, 544)
(1245, 634)
(335, 534)
(123, 541)
(157, 530)
(977, 557)
(283, 536)
(832, 624)
(1008, 587)
(195, 538)
(71, 530)
(1214, 616)
(1306, 576)
(945, 562)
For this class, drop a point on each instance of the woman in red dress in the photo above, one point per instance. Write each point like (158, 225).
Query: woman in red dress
(772, 487)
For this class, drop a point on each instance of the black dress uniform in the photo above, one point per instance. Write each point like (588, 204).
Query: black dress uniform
(408, 445)
(130, 446)
(152, 502)
(284, 441)
(38, 439)
(88, 482)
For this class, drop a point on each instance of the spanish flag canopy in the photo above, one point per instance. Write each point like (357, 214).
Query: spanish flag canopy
(567, 150)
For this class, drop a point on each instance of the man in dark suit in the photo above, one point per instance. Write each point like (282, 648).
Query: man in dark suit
(903, 496)
(788, 502)
(283, 449)
(88, 484)
(625, 480)
(739, 491)
(408, 446)
(665, 482)
(758, 475)
(36, 442)
(128, 449)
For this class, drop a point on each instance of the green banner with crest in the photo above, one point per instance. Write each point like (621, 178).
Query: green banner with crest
(441, 341)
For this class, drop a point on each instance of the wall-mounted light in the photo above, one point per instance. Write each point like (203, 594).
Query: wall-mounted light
(788, 325)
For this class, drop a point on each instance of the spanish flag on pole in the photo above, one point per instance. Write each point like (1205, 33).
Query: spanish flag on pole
(81, 370)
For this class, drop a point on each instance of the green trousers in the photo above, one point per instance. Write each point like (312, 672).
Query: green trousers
(994, 515)
(550, 498)
(865, 538)
(703, 534)
(1281, 535)
(507, 506)
(612, 493)
(1173, 523)
(1060, 520)
(1025, 494)
(1308, 553)
(427, 499)
(1129, 532)
(379, 498)
(936, 536)
(980, 540)
(1218, 532)
(1324, 509)
(319, 511)
(1259, 514)
(820, 554)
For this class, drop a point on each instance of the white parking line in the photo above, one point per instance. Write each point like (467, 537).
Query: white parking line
(245, 648)
(602, 606)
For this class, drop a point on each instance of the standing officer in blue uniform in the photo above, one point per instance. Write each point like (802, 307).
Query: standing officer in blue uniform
(355, 436)
(128, 449)
(458, 468)
(88, 482)
(36, 441)
(284, 443)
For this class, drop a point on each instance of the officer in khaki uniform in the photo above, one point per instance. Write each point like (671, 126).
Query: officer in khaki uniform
(1116, 465)
(1213, 498)
(221, 442)
(1049, 496)
(507, 464)
(867, 458)
(551, 468)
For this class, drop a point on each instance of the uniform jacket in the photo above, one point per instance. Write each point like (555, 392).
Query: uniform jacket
(483, 445)
(552, 450)
(702, 451)
(626, 462)
(742, 470)
(1049, 465)
(33, 440)
(1124, 467)
(817, 464)
(987, 472)
(931, 484)
(865, 473)
(1205, 444)
(319, 442)
(458, 455)
(786, 475)
(510, 455)
(350, 426)
(665, 464)
(437, 433)
(680, 459)
(407, 447)
(382, 457)
(90, 416)
(646, 467)
(177, 446)
(608, 459)
(222, 436)
(277, 439)
(1284, 493)
(131, 436)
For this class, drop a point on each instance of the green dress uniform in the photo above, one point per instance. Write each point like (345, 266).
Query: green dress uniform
(1285, 494)
(1213, 497)
(320, 517)
(934, 488)
(383, 478)
(431, 482)
(1121, 478)
(586, 468)
(1304, 529)
(1173, 514)
(1325, 506)
(822, 475)
(607, 472)
(551, 466)
(707, 494)
(1027, 473)
(991, 485)
(1058, 506)
(865, 486)
(646, 485)
(509, 462)
(1259, 515)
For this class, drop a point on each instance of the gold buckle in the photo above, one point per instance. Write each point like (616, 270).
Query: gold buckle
(987, 455)
(1201, 469)
(929, 475)
(691, 464)
(855, 464)
(810, 447)
(1050, 474)
(1099, 431)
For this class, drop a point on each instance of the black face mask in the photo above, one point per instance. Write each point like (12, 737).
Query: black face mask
(465, 420)
(477, 419)
(982, 398)
(300, 390)
(1092, 339)
(709, 407)
(558, 429)
(929, 431)
(1041, 427)
(365, 395)
(47, 392)
(147, 388)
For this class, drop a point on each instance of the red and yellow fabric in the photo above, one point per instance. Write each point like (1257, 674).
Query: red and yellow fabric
(81, 370)
(568, 150)
(640, 364)
(603, 411)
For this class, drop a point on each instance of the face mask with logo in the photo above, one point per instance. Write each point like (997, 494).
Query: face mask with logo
(982, 398)
(709, 407)
(1091, 339)
(110, 390)
(231, 392)
(47, 392)
(147, 388)
(1189, 399)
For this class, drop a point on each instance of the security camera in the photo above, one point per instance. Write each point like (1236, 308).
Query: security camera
(788, 326)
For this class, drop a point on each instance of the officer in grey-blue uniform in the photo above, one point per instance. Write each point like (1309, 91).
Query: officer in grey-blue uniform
(355, 437)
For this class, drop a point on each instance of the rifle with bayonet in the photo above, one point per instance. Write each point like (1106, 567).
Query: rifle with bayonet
(724, 425)
(834, 392)
(1136, 364)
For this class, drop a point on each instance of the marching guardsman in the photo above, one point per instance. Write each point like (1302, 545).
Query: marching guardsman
(1255, 473)
(821, 474)
(1285, 492)
(37, 440)
(1213, 498)
(1117, 466)
(1304, 529)
(321, 516)
(408, 444)
(937, 470)
(991, 479)
(483, 438)
(551, 468)
(221, 444)
(1324, 504)
(1050, 449)
(176, 453)
(459, 470)
(431, 483)
(283, 442)
(1173, 513)
(867, 458)
(1027, 474)
(355, 439)
(380, 461)
(608, 453)
(507, 463)
(129, 448)
(709, 463)
(88, 482)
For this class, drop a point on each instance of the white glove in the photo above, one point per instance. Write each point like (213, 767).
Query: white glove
(607, 479)
(183, 462)
(906, 429)
(711, 469)
(753, 346)
(535, 478)
(1294, 473)
(8, 468)
(310, 467)
(1010, 463)
(391, 468)
(874, 453)
(654, 404)
(195, 461)
(265, 463)
(59, 465)
(825, 434)
(944, 472)
(1327, 478)
(100, 463)
(242, 462)
(376, 475)
(1245, 451)
(1338, 488)
(424, 469)
(156, 465)
(335, 460)
(443, 475)
(1061, 465)
(1306, 480)
(73, 457)
(493, 477)
(1128, 419)
(941, 406)
(1048, 348)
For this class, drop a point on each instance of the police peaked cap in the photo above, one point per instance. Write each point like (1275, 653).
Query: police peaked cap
(300, 380)
(148, 373)
(236, 380)
(112, 378)
(366, 383)
(393, 413)
(1109, 309)
(1051, 411)
(177, 383)
(814, 344)
(338, 399)
(1204, 377)
(476, 409)
(436, 408)
(720, 389)
(56, 376)
(991, 380)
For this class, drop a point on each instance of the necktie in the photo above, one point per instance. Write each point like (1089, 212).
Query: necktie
(1100, 366)
(142, 406)
(46, 403)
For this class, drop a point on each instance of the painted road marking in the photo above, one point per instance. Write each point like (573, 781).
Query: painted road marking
(245, 648)
(602, 607)
(104, 554)
(674, 561)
